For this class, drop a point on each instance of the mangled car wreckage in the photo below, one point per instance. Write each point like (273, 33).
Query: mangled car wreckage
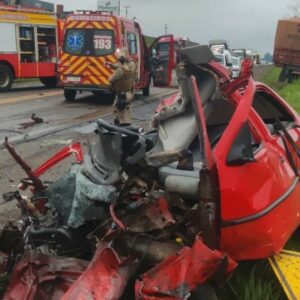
(167, 213)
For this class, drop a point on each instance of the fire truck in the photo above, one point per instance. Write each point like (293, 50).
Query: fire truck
(93, 38)
(28, 45)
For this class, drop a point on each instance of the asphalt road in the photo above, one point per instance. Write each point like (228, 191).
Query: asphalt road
(17, 106)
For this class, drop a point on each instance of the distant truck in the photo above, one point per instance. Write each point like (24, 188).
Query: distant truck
(221, 50)
(247, 53)
(287, 48)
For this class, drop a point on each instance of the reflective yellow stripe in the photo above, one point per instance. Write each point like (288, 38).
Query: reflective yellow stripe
(107, 25)
(97, 25)
(103, 70)
(112, 59)
(95, 71)
(94, 80)
(71, 25)
(75, 65)
(65, 56)
(81, 25)
(105, 80)
(78, 71)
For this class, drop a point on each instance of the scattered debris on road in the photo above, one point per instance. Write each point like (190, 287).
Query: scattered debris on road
(35, 120)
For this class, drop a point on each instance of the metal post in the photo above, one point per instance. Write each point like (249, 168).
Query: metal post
(126, 8)
(166, 28)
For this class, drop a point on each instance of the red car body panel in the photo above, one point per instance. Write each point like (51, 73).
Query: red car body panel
(39, 276)
(182, 272)
(105, 278)
(260, 201)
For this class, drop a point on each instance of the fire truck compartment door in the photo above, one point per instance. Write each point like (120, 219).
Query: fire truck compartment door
(162, 60)
(8, 40)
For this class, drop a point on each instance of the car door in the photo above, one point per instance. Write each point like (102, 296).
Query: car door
(281, 122)
(162, 61)
(259, 189)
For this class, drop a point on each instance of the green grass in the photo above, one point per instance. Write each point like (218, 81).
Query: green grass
(256, 280)
(253, 281)
(290, 92)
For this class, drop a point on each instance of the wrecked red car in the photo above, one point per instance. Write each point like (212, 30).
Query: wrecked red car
(167, 213)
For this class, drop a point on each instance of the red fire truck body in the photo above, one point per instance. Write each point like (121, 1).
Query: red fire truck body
(28, 45)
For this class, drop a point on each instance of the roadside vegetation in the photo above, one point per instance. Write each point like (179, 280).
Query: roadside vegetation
(290, 92)
(256, 280)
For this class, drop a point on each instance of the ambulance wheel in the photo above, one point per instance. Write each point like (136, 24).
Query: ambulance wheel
(146, 91)
(204, 292)
(6, 78)
(70, 95)
(49, 81)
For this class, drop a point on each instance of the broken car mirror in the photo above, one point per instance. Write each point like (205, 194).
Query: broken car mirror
(241, 151)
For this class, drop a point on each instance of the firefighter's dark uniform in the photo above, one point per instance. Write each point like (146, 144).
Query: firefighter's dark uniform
(122, 82)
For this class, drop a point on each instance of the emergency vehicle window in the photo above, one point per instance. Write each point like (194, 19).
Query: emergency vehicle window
(89, 42)
(27, 45)
(74, 41)
(103, 41)
(46, 44)
(163, 47)
(132, 43)
(270, 111)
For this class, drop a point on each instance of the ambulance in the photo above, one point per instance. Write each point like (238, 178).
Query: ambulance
(93, 38)
(28, 45)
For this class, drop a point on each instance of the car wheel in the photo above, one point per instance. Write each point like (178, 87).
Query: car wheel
(70, 95)
(6, 78)
(49, 81)
(204, 292)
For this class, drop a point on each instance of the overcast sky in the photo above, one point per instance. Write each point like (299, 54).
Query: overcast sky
(243, 23)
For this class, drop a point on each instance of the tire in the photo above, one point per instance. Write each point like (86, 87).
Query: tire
(49, 81)
(6, 78)
(146, 91)
(70, 95)
(204, 292)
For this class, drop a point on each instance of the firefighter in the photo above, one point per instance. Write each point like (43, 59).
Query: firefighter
(122, 83)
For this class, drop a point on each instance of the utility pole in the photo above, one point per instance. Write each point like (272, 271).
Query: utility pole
(126, 8)
(166, 27)
(119, 7)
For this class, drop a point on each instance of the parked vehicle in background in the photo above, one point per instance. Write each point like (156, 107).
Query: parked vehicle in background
(221, 51)
(287, 48)
(28, 45)
(160, 57)
(236, 66)
(90, 40)
(247, 53)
